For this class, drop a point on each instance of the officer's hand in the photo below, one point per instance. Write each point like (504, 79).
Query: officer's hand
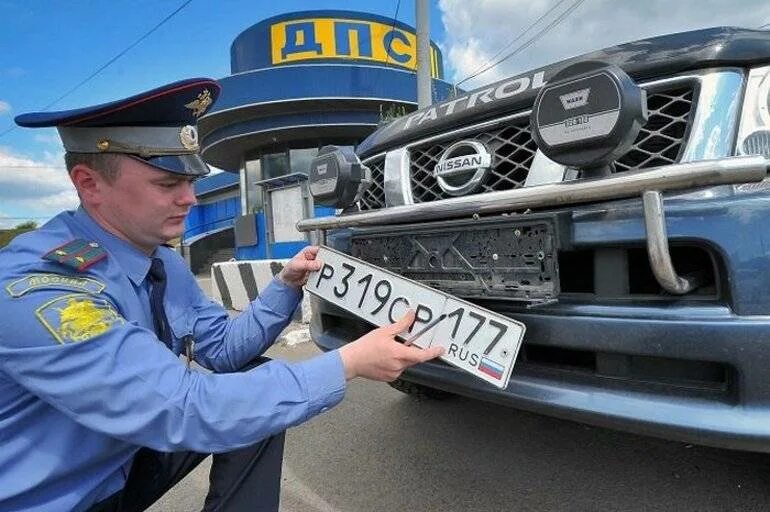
(379, 356)
(296, 271)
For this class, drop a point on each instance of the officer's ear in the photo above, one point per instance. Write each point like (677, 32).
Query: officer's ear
(89, 183)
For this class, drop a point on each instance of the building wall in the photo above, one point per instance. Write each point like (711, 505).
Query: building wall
(212, 216)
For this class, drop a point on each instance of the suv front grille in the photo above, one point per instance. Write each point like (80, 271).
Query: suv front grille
(512, 149)
(374, 197)
(659, 142)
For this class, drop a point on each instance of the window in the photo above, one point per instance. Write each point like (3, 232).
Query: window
(260, 166)
(275, 165)
(300, 159)
(252, 193)
(287, 207)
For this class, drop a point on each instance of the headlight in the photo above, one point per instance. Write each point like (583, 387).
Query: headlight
(754, 132)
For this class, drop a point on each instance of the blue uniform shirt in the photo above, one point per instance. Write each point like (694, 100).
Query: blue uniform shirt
(85, 382)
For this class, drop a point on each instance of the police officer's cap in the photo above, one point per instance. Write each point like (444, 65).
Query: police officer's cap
(157, 126)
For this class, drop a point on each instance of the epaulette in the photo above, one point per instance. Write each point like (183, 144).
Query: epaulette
(78, 254)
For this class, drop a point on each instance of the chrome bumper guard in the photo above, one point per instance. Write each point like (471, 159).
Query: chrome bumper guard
(648, 183)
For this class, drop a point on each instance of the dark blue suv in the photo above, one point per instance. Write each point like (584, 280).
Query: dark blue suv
(645, 292)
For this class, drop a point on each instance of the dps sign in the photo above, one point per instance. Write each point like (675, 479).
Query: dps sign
(327, 38)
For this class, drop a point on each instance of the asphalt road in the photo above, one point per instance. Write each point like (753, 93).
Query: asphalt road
(383, 451)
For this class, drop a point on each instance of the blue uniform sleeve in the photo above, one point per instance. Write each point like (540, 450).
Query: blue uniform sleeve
(226, 345)
(76, 352)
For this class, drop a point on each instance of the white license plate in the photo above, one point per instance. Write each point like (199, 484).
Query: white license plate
(475, 339)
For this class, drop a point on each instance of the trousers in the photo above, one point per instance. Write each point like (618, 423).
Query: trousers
(247, 479)
(244, 479)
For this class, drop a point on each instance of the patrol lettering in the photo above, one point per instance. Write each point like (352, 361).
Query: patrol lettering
(506, 89)
(538, 80)
(512, 88)
(411, 119)
(484, 96)
(450, 105)
(429, 114)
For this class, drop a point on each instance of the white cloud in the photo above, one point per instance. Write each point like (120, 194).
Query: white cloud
(478, 30)
(5, 107)
(7, 222)
(50, 138)
(34, 189)
(11, 221)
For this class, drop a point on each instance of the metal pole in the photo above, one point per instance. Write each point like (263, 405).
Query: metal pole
(422, 15)
(657, 247)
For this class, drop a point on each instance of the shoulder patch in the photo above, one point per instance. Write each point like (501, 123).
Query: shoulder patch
(57, 281)
(78, 254)
(77, 317)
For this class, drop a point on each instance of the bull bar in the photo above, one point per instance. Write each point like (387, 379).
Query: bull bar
(647, 183)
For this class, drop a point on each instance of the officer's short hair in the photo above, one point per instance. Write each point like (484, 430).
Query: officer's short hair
(106, 164)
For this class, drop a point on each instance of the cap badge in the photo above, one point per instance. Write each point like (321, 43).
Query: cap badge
(189, 137)
(201, 103)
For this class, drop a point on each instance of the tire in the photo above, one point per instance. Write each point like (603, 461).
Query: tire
(419, 391)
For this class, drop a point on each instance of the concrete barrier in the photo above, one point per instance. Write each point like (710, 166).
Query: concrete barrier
(236, 283)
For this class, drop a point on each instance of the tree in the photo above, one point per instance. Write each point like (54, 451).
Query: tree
(30, 224)
(6, 235)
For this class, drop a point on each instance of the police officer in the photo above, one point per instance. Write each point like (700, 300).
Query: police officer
(97, 409)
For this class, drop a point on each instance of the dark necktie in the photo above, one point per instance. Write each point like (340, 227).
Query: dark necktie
(157, 277)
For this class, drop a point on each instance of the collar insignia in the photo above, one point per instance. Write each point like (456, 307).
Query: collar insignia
(78, 254)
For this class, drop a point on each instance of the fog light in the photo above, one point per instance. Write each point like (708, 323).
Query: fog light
(757, 143)
(337, 177)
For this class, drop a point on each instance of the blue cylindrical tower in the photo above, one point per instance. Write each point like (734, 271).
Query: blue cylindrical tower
(300, 81)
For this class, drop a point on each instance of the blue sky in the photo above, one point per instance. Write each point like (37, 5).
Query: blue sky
(55, 45)
(51, 46)
(48, 47)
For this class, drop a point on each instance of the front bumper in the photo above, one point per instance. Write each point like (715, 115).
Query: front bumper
(626, 363)
(742, 422)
